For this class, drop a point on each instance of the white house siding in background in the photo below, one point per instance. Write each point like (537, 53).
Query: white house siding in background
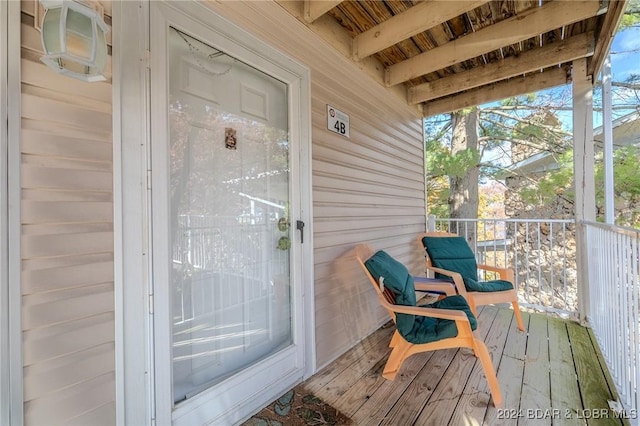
(367, 188)
(67, 242)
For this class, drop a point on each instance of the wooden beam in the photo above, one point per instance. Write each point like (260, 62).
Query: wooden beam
(579, 46)
(330, 31)
(497, 91)
(412, 21)
(313, 9)
(539, 20)
(605, 36)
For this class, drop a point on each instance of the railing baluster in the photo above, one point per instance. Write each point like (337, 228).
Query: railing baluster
(551, 264)
(533, 258)
(615, 311)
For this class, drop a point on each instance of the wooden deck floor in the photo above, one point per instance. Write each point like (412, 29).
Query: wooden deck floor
(551, 375)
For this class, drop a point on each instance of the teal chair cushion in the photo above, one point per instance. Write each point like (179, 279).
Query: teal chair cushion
(415, 329)
(429, 329)
(399, 281)
(493, 285)
(454, 254)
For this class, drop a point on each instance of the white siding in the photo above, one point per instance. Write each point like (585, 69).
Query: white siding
(368, 188)
(67, 243)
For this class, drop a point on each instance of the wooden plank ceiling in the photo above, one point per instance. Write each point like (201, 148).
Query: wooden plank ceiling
(451, 54)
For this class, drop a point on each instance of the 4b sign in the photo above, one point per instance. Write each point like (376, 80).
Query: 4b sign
(337, 121)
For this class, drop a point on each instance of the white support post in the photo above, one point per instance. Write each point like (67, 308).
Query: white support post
(607, 131)
(584, 175)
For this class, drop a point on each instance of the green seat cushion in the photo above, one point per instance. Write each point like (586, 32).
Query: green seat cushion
(486, 286)
(454, 254)
(429, 329)
(415, 329)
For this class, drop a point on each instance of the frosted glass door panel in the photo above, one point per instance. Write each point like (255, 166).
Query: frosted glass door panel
(229, 201)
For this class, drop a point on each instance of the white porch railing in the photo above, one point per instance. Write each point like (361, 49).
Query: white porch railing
(222, 262)
(613, 256)
(542, 253)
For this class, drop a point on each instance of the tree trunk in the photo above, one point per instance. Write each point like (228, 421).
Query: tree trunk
(463, 193)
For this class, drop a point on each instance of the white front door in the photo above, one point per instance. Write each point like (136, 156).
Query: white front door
(228, 323)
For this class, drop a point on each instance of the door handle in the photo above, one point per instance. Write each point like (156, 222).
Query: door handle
(300, 227)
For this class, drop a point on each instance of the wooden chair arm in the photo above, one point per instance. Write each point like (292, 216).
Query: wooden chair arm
(461, 319)
(457, 278)
(505, 273)
(446, 288)
(448, 314)
(439, 286)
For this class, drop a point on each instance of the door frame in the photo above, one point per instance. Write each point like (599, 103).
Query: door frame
(11, 368)
(136, 398)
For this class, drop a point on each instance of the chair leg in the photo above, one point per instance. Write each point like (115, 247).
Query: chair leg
(472, 304)
(489, 372)
(396, 358)
(394, 339)
(516, 311)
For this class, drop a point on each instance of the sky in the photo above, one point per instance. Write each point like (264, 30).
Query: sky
(627, 63)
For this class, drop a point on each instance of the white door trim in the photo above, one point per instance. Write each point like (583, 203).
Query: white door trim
(10, 278)
(136, 399)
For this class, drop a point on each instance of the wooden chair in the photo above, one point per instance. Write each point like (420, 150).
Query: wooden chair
(450, 317)
(449, 255)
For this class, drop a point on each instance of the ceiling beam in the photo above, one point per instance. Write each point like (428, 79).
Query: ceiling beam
(412, 21)
(539, 20)
(551, 54)
(501, 90)
(313, 9)
(605, 36)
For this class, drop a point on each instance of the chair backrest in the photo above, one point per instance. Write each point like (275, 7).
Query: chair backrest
(397, 284)
(363, 253)
(451, 252)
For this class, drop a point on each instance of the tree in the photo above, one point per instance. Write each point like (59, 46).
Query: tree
(475, 145)
(461, 155)
(463, 183)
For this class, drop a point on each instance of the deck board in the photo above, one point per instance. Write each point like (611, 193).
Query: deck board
(439, 410)
(510, 374)
(381, 337)
(565, 394)
(593, 385)
(554, 365)
(378, 404)
(536, 387)
(476, 395)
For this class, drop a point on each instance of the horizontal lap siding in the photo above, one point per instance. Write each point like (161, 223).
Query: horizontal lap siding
(367, 188)
(67, 244)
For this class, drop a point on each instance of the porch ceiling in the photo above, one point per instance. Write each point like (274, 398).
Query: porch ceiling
(454, 54)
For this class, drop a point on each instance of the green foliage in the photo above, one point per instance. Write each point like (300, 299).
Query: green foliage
(631, 17)
(440, 162)
(626, 177)
(556, 183)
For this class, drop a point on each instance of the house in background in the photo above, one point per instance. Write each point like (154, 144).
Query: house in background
(520, 175)
(171, 237)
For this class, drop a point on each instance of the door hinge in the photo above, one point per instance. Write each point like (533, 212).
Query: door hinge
(151, 304)
(147, 59)
(149, 180)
